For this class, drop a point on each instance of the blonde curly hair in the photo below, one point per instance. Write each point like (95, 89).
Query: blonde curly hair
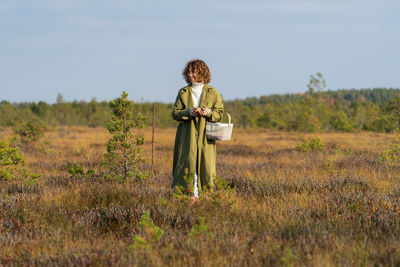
(197, 66)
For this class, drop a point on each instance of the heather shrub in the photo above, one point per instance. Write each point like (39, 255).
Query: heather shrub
(291, 208)
(222, 194)
(332, 167)
(2, 129)
(111, 219)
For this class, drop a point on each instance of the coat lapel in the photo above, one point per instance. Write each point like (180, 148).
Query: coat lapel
(187, 97)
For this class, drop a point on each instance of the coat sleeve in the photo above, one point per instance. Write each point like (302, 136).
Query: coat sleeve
(180, 112)
(217, 109)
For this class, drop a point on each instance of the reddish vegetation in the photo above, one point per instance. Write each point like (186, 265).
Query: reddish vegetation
(335, 206)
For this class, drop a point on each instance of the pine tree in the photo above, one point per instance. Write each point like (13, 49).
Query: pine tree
(316, 83)
(124, 147)
(393, 108)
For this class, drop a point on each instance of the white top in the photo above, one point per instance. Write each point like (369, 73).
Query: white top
(197, 90)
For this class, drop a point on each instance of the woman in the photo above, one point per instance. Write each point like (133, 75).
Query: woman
(194, 155)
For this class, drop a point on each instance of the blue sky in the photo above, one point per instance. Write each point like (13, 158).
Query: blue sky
(85, 49)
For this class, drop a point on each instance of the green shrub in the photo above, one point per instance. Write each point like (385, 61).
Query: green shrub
(224, 195)
(289, 259)
(77, 170)
(391, 156)
(220, 195)
(340, 122)
(185, 192)
(149, 232)
(12, 164)
(310, 144)
(306, 122)
(384, 123)
(31, 131)
(200, 229)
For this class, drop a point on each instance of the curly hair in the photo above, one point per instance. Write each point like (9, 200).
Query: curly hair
(197, 66)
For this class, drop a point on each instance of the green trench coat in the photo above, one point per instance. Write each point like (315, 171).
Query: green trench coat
(191, 144)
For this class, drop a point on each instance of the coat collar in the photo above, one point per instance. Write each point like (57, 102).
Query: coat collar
(187, 91)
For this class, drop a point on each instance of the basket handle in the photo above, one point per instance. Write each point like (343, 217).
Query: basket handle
(229, 120)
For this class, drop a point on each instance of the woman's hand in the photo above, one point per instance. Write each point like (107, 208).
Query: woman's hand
(200, 112)
(195, 111)
(204, 111)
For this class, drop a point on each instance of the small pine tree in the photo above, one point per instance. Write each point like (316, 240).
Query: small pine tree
(150, 233)
(124, 147)
(316, 83)
(391, 156)
(12, 164)
(199, 229)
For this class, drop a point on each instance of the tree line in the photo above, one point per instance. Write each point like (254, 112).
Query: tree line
(375, 109)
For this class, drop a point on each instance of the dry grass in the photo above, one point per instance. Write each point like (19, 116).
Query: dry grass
(338, 206)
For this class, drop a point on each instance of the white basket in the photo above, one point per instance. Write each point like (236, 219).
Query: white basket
(219, 131)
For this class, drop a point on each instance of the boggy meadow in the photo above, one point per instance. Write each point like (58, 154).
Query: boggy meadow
(338, 205)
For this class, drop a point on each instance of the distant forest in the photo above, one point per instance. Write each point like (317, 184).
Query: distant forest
(375, 109)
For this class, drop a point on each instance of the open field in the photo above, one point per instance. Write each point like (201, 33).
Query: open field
(335, 206)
